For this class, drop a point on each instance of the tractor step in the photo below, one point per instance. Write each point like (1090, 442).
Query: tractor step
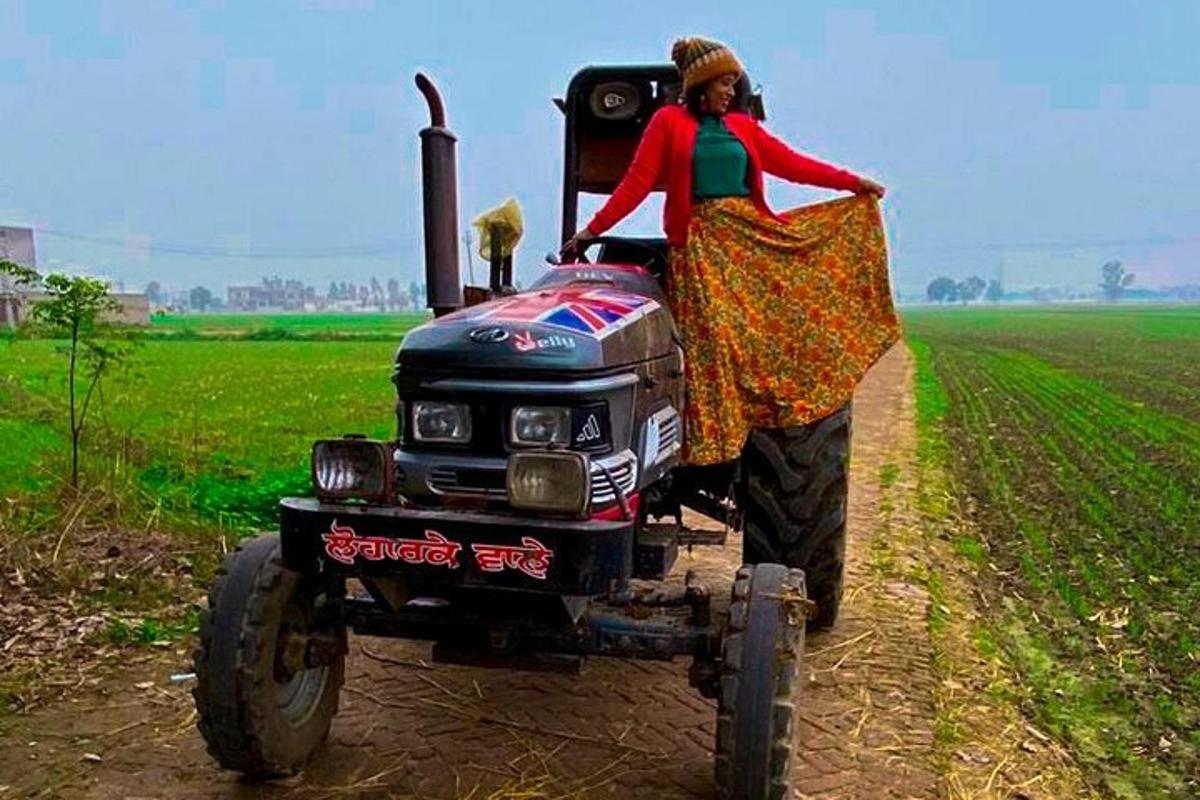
(696, 536)
(680, 534)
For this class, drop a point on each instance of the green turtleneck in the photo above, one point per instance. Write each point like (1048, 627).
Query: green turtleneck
(719, 161)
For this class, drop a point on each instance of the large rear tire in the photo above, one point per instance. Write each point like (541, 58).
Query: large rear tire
(794, 499)
(263, 711)
(760, 665)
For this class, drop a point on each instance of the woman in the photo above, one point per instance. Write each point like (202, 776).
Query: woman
(780, 315)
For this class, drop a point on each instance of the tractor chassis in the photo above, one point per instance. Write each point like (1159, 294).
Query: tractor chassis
(652, 624)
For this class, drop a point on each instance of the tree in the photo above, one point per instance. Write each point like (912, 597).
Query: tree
(941, 289)
(1114, 280)
(971, 288)
(994, 292)
(73, 309)
(154, 292)
(200, 298)
(333, 291)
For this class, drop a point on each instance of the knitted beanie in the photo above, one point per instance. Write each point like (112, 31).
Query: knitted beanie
(700, 60)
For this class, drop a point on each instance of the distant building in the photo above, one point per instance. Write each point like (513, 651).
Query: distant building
(16, 245)
(273, 294)
(134, 310)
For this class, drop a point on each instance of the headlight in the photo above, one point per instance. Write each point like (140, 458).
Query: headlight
(533, 425)
(344, 469)
(441, 422)
(558, 482)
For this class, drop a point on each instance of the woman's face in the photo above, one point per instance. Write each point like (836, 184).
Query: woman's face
(718, 93)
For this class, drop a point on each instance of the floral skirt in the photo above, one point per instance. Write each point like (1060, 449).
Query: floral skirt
(780, 320)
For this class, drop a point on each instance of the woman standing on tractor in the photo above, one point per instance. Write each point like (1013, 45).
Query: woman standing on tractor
(781, 315)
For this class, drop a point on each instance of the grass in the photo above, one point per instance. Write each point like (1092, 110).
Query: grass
(267, 327)
(215, 428)
(1071, 436)
(150, 631)
(186, 452)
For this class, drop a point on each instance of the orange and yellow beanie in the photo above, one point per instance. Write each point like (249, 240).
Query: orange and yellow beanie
(700, 60)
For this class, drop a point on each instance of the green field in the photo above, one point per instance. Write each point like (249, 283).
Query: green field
(209, 428)
(1073, 440)
(371, 325)
(1071, 437)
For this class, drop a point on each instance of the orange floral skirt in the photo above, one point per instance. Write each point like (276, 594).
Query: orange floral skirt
(780, 320)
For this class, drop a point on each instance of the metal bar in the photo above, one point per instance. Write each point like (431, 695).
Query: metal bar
(587, 386)
(496, 261)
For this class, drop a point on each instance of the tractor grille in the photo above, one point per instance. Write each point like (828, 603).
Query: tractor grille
(623, 468)
(490, 482)
(468, 480)
(670, 432)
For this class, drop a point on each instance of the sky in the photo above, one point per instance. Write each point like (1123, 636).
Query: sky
(203, 142)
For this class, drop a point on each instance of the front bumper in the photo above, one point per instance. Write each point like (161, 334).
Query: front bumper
(456, 548)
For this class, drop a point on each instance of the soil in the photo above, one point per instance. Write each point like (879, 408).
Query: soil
(620, 729)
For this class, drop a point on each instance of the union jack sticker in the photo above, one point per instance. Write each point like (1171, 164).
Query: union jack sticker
(594, 312)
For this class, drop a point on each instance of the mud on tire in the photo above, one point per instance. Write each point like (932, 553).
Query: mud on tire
(760, 666)
(794, 497)
(258, 717)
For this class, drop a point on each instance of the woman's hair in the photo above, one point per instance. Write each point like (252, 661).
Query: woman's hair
(741, 96)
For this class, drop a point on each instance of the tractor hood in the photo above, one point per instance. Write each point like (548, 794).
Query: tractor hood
(577, 319)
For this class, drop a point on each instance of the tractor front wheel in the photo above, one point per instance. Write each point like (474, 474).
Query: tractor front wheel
(269, 665)
(760, 665)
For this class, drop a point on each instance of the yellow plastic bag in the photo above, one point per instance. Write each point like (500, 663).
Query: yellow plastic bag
(509, 227)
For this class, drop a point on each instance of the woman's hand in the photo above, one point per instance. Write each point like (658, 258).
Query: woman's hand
(577, 242)
(868, 186)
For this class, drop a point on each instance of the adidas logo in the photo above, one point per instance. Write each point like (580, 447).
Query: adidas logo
(590, 431)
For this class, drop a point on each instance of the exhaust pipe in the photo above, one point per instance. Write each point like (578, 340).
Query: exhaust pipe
(439, 189)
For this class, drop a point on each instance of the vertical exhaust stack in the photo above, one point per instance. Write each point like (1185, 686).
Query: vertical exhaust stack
(439, 187)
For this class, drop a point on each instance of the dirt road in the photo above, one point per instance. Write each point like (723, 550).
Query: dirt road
(621, 729)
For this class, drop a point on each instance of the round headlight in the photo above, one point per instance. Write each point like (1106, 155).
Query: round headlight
(541, 425)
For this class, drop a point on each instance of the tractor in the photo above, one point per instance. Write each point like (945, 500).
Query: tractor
(531, 505)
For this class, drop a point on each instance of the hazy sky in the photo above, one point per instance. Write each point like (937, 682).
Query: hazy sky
(215, 142)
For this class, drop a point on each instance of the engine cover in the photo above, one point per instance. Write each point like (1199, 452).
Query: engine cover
(577, 318)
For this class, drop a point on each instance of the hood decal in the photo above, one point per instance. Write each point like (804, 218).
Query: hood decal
(590, 311)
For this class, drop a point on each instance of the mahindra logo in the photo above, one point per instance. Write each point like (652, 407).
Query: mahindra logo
(590, 431)
(488, 335)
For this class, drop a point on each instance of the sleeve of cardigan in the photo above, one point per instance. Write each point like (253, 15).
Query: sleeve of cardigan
(639, 179)
(781, 160)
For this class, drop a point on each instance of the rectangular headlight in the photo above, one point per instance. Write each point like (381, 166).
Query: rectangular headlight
(434, 421)
(541, 425)
(555, 482)
(345, 469)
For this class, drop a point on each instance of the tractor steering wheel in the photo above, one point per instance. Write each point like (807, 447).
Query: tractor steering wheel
(653, 254)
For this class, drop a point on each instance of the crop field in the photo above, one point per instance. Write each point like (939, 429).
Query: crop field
(216, 424)
(1074, 439)
(374, 325)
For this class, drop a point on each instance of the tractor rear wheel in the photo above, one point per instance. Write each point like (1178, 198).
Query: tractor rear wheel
(794, 499)
(269, 665)
(760, 666)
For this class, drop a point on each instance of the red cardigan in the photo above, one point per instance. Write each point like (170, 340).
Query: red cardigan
(665, 153)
